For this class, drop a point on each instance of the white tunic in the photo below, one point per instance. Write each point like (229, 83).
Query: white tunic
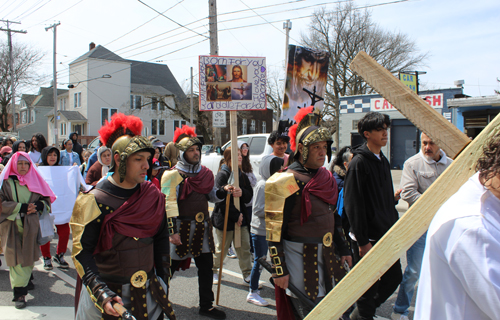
(460, 276)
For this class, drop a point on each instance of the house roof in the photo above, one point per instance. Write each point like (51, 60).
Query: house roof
(155, 74)
(69, 115)
(99, 52)
(45, 97)
(142, 73)
(493, 101)
(28, 98)
(150, 89)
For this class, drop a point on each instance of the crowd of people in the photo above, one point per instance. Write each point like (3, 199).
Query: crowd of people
(150, 200)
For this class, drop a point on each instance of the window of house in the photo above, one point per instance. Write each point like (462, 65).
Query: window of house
(104, 115)
(161, 128)
(243, 126)
(62, 104)
(154, 103)
(145, 131)
(113, 111)
(264, 128)
(77, 128)
(161, 105)
(78, 100)
(179, 123)
(135, 101)
(32, 116)
(63, 128)
(153, 127)
(23, 117)
(252, 126)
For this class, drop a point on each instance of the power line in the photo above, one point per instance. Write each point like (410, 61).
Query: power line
(143, 24)
(25, 14)
(170, 19)
(56, 14)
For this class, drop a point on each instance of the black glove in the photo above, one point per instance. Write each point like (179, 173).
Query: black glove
(39, 206)
(98, 290)
(163, 268)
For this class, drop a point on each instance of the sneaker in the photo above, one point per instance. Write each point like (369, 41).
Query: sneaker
(20, 303)
(231, 254)
(213, 313)
(399, 316)
(47, 263)
(255, 298)
(216, 278)
(59, 258)
(31, 285)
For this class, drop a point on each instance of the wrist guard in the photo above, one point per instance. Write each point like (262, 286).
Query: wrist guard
(99, 292)
(278, 261)
(172, 226)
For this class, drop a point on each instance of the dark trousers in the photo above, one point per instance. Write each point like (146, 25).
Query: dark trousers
(379, 292)
(204, 262)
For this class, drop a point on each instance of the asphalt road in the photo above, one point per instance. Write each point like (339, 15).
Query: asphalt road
(53, 296)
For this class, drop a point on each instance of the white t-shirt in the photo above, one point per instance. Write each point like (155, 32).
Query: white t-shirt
(460, 277)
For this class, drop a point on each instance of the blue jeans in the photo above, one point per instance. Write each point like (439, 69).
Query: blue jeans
(414, 257)
(260, 250)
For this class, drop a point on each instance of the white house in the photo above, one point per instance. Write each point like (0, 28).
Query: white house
(103, 83)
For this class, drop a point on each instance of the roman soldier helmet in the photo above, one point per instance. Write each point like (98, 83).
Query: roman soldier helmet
(307, 130)
(185, 138)
(123, 136)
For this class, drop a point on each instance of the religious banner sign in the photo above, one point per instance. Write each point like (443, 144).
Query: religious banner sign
(307, 69)
(232, 83)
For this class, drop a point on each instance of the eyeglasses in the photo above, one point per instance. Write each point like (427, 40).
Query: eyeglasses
(244, 148)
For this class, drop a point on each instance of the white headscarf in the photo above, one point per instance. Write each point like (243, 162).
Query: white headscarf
(105, 168)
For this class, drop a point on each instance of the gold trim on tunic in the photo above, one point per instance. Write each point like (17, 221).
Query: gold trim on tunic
(169, 182)
(327, 239)
(85, 211)
(200, 216)
(278, 187)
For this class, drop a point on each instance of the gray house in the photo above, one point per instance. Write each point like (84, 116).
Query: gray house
(32, 111)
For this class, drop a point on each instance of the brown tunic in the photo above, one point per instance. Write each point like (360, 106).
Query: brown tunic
(27, 251)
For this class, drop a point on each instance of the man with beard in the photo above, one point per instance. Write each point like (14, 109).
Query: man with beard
(120, 233)
(419, 172)
(188, 188)
(306, 242)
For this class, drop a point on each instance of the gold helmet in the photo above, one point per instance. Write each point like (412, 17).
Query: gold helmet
(185, 138)
(122, 136)
(307, 131)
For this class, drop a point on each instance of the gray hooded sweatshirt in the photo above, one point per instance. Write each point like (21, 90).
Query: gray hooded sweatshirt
(258, 224)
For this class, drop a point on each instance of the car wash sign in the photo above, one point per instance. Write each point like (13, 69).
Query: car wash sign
(380, 104)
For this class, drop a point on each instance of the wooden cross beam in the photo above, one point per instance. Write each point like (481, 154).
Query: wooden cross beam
(417, 219)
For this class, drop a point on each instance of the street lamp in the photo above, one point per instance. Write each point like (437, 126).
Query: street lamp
(104, 76)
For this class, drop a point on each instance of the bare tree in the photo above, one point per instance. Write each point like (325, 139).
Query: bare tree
(344, 32)
(26, 61)
(275, 89)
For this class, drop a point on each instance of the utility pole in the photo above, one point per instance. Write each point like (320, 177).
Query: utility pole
(287, 25)
(191, 114)
(54, 83)
(214, 50)
(11, 65)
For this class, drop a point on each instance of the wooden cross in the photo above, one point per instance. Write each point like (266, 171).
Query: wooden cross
(417, 219)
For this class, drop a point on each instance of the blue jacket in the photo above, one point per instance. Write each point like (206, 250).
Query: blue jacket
(65, 158)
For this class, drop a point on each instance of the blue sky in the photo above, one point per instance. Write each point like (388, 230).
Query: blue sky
(461, 37)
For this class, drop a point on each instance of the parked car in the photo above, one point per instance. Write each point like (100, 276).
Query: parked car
(258, 148)
(94, 144)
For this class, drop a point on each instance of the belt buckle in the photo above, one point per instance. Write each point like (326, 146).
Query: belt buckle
(139, 278)
(200, 217)
(327, 239)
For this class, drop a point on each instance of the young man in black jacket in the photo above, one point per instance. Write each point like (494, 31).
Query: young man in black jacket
(369, 202)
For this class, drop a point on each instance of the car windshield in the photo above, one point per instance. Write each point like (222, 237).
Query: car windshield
(244, 139)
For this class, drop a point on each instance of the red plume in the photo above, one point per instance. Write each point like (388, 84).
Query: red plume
(120, 124)
(292, 132)
(185, 130)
